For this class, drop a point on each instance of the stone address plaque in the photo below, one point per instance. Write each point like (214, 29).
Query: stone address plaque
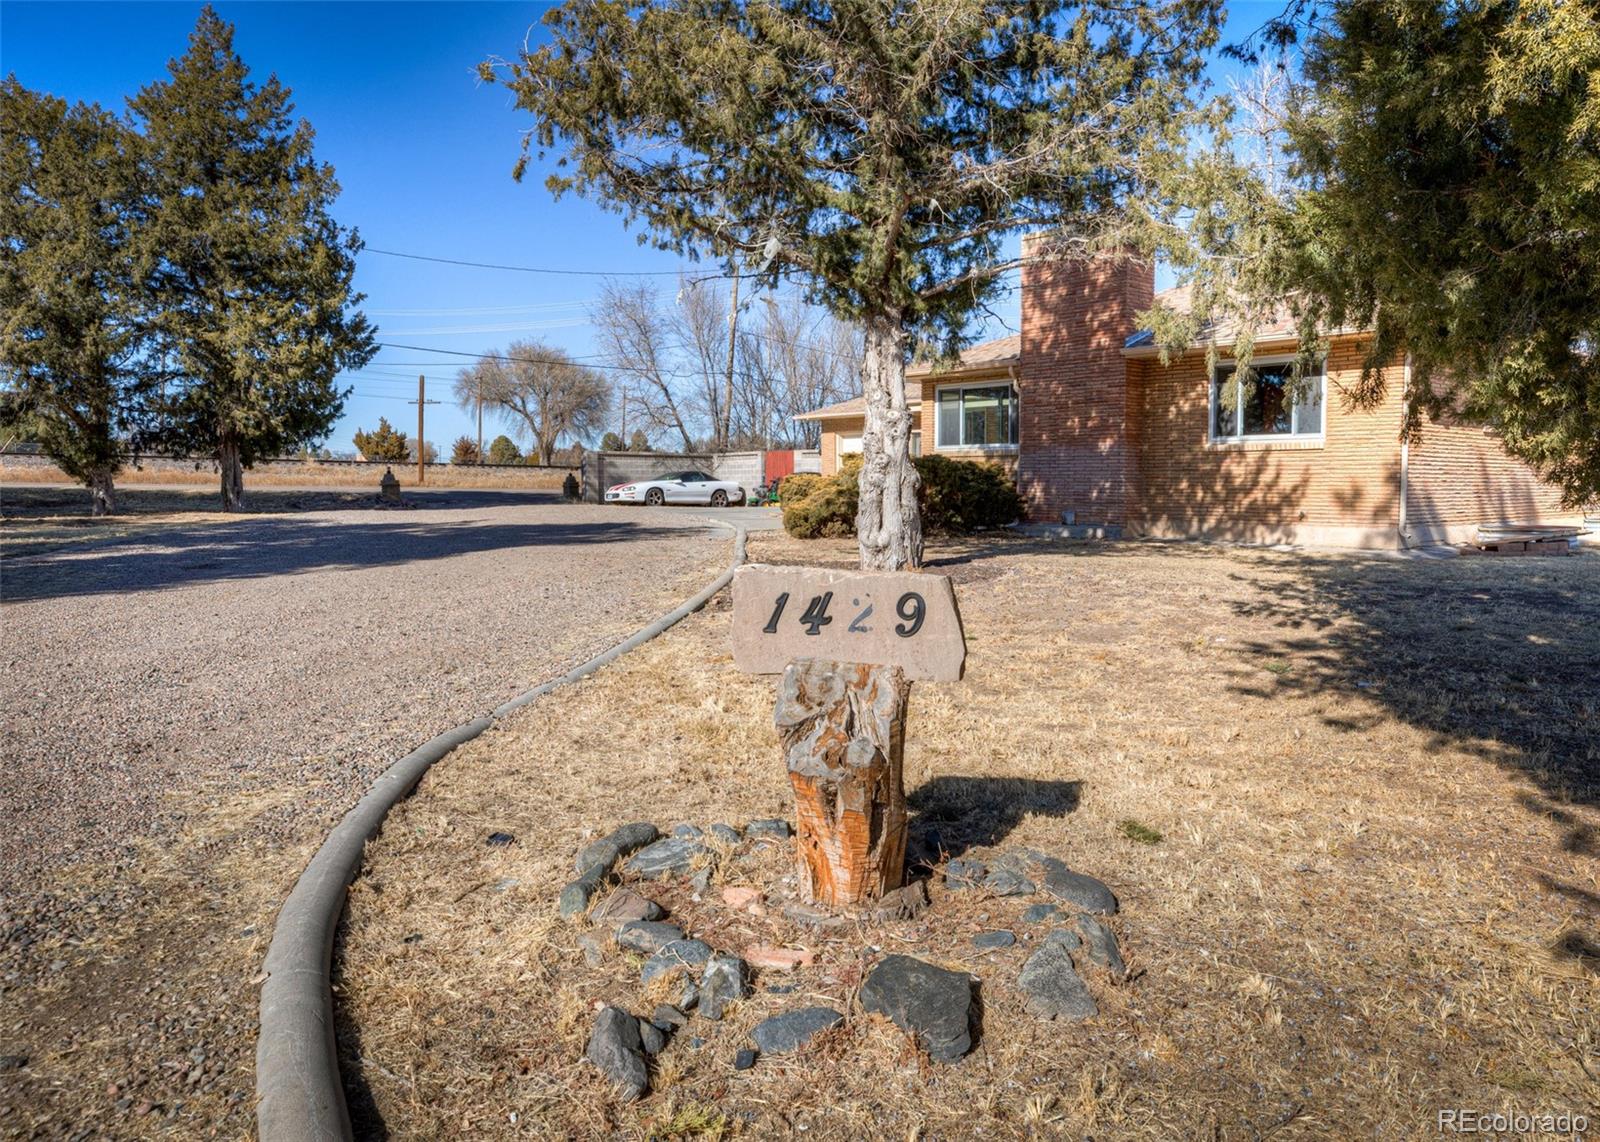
(882, 618)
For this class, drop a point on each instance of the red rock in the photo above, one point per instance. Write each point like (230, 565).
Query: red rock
(738, 897)
(778, 959)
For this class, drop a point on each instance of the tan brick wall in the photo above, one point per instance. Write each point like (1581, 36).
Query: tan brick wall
(1079, 450)
(1459, 477)
(1342, 492)
(928, 422)
(831, 430)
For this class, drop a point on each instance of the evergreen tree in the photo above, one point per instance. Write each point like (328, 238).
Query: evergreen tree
(503, 450)
(252, 275)
(383, 445)
(74, 343)
(1449, 161)
(878, 151)
(639, 442)
(611, 442)
(464, 451)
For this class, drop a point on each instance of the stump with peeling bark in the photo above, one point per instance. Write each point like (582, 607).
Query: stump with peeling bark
(843, 730)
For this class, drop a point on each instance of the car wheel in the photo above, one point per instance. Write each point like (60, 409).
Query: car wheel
(655, 497)
(719, 499)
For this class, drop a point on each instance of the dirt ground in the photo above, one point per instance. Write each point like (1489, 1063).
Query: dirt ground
(1351, 807)
(185, 712)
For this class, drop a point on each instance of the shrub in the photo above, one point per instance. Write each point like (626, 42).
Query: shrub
(502, 450)
(956, 497)
(464, 451)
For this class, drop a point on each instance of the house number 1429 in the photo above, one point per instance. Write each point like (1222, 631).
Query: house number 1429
(911, 608)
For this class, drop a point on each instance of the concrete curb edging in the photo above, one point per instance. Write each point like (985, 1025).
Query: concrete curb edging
(299, 1093)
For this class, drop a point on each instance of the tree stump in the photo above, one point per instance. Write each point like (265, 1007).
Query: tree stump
(843, 731)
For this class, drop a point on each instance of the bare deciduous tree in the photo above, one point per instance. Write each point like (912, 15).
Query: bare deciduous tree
(540, 391)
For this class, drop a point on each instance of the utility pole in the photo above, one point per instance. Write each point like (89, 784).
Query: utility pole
(480, 428)
(725, 429)
(421, 402)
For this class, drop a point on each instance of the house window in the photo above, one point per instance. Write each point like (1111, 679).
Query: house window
(849, 443)
(976, 416)
(1268, 403)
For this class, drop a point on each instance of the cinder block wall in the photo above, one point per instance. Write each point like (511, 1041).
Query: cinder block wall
(602, 470)
(1078, 448)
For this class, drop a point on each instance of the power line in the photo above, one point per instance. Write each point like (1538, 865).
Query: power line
(533, 269)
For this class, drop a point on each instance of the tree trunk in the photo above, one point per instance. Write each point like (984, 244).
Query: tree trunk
(102, 492)
(842, 726)
(232, 473)
(888, 521)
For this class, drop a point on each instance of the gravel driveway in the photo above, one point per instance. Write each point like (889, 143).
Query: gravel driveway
(185, 714)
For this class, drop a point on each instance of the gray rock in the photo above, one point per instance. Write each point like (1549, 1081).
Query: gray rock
(668, 1017)
(964, 872)
(497, 840)
(615, 1047)
(1100, 944)
(648, 935)
(1066, 937)
(688, 994)
(928, 1002)
(625, 904)
(701, 880)
(651, 1038)
(744, 1060)
(793, 1029)
(989, 940)
(679, 955)
(665, 857)
(768, 828)
(1052, 987)
(575, 896)
(594, 948)
(725, 979)
(692, 832)
(904, 903)
(811, 916)
(726, 834)
(614, 845)
(1008, 882)
(12, 1062)
(1039, 912)
(1082, 892)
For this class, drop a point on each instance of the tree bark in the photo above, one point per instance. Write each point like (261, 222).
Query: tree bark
(102, 492)
(888, 521)
(842, 726)
(232, 473)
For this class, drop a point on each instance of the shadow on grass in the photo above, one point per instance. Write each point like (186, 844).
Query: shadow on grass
(366, 1121)
(950, 815)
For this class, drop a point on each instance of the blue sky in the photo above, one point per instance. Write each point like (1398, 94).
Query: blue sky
(423, 152)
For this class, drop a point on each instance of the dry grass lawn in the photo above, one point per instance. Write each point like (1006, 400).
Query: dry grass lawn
(1375, 891)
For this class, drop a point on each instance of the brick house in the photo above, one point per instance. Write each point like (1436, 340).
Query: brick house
(1099, 432)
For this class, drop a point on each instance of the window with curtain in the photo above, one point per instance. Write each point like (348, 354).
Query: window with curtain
(976, 416)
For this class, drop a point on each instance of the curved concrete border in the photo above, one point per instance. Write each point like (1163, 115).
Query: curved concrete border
(299, 1094)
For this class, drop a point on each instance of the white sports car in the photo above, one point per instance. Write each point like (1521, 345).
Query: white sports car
(677, 488)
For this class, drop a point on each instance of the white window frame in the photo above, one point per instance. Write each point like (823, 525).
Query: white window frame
(1264, 437)
(848, 443)
(939, 445)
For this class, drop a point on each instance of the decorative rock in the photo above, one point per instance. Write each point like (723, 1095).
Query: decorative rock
(726, 834)
(928, 1002)
(615, 1047)
(701, 880)
(1066, 937)
(1101, 946)
(651, 1038)
(495, 840)
(904, 903)
(810, 916)
(964, 872)
(665, 857)
(625, 904)
(575, 896)
(608, 849)
(724, 981)
(1082, 892)
(689, 994)
(990, 940)
(12, 1062)
(594, 948)
(769, 828)
(744, 1060)
(738, 896)
(793, 1029)
(648, 935)
(1008, 882)
(692, 832)
(668, 1017)
(1052, 986)
(1039, 912)
(676, 956)
(778, 959)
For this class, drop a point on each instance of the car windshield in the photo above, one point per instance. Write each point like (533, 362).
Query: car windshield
(694, 477)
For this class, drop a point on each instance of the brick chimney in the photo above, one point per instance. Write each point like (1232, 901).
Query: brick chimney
(1079, 453)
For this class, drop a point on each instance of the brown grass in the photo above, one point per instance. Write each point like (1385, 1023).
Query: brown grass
(1375, 892)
